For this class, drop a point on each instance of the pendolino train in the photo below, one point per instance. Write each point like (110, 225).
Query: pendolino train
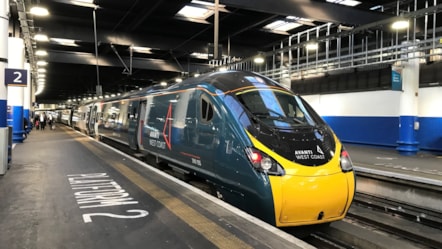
(259, 146)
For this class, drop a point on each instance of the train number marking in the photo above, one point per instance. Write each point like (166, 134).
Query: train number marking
(157, 143)
(196, 161)
(87, 218)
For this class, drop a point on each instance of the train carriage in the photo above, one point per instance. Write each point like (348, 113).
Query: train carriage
(259, 146)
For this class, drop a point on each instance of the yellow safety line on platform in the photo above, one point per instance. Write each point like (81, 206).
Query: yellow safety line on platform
(210, 230)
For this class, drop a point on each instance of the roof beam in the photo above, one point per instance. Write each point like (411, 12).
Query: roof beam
(321, 11)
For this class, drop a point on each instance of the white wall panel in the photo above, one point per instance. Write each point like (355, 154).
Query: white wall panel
(430, 102)
(373, 103)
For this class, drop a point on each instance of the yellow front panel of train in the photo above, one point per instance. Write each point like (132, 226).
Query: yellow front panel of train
(311, 199)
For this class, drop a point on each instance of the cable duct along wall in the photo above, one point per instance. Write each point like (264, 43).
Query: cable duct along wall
(27, 32)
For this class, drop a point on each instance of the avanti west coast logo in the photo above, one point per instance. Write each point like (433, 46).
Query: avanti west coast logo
(310, 154)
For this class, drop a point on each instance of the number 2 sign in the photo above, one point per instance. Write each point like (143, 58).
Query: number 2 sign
(16, 77)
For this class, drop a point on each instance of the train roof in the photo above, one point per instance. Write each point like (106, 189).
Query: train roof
(230, 80)
(224, 81)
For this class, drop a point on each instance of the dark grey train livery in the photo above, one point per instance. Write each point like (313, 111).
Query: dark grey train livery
(259, 146)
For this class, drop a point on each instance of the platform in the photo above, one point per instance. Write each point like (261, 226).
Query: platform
(424, 167)
(66, 190)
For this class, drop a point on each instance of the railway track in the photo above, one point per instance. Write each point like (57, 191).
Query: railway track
(380, 219)
(392, 220)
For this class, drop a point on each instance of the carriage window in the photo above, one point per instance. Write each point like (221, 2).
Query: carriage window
(206, 109)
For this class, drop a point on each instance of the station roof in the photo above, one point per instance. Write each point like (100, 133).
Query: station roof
(173, 45)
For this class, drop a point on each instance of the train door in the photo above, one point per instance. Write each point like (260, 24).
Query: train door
(140, 127)
(133, 117)
(92, 120)
(207, 132)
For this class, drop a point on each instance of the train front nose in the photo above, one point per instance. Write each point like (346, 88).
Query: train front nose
(313, 199)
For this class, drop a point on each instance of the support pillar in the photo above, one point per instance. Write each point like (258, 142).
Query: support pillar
(4, 133)
(16, 59)
(408, 109)
(27, 99)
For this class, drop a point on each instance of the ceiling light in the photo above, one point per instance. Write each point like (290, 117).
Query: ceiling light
(41, 53)
(39, 11)
(281, 25)
(41, 37)
(401, 24)
(64, 42)
(41, 63)
(195, 12)
(350, 3)
(41, 70)
(199, 55)
(376, 7)
(290, 22)
(198, 11)
(312, 46)
(84, 3)
(145, 50)
(258, 60)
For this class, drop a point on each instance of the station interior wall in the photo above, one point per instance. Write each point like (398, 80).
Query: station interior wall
(372, 117)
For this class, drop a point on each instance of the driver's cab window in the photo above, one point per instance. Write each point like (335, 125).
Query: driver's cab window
(206, 113)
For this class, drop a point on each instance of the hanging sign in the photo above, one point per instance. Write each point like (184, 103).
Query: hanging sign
(396, 79)
(16, 77)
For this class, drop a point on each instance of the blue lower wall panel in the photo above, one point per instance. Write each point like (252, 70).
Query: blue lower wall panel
(384, 131)
(430, 133)
(366, 130)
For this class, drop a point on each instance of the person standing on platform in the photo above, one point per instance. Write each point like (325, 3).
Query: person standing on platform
(50, 121)
(25, 127)
(42, 121)
(37, 122)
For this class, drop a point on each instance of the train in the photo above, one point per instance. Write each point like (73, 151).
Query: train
(259, 146)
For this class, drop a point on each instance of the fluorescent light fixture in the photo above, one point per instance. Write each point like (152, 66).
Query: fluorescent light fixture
(41, 63)
(312, 46)
(203, 3)
(84, 3)
(258, 60)
(41, 76)
(195, 12)
(144, 50)
(41, 70)
(163, 83)
(64, 42)
(376, 7)
(178, 80)
(41, 37)
(281, 25)
(39, 11)
(198, 55)
(289, 23)
(401, 24)
(199, 11)
(41, 53)
(350, 3)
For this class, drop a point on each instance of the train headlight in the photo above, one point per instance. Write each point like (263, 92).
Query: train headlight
(263, 163)
(266, 163)
(346, 164)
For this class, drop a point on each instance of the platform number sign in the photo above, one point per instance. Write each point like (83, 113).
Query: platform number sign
(16, 77)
